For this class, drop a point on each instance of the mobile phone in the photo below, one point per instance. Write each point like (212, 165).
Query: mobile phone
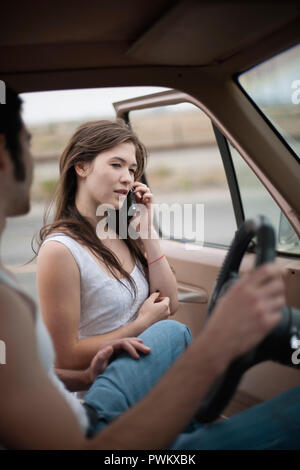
(131, 203)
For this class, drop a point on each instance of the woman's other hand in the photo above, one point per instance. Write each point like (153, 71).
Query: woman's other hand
(154, 309)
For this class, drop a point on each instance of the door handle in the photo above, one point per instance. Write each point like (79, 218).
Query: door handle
(192, 296)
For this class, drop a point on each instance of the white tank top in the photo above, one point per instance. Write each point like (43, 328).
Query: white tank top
(106, 304)
(46, 353)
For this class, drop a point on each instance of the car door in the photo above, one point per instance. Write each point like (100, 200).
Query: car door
(183, 158)
(198, 177)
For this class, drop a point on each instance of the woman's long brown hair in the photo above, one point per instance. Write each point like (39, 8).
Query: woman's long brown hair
(89, 140)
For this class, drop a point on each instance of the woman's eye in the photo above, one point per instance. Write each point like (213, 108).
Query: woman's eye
(118, 165)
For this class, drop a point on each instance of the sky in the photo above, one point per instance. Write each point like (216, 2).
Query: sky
(65, 105)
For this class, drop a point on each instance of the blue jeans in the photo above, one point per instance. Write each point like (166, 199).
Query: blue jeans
(271, 425)
(126, 381)
(274, 424)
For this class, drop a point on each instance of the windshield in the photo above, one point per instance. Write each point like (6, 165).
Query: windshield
(274, 86)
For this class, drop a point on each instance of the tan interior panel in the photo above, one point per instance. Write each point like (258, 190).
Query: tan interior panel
(199, 24)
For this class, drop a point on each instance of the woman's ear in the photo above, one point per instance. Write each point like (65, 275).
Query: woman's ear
(81, 169)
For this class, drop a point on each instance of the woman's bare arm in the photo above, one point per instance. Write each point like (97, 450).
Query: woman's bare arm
(58, 279)
(74, 380)
(161, 276)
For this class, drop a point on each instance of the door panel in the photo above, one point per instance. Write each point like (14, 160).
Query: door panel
(196, 272)
(185, 165)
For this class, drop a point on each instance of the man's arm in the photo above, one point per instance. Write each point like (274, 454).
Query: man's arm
(33, 413)
(42, 420)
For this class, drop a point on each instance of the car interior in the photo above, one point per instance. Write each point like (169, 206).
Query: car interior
(217, 60)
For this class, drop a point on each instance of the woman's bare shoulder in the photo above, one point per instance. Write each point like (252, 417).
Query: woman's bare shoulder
(54, 255)
(53, 246)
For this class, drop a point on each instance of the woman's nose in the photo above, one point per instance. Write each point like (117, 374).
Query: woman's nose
(126, 176)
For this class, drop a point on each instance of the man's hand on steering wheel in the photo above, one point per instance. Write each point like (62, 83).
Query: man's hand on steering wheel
(257, 326)
(245, 314)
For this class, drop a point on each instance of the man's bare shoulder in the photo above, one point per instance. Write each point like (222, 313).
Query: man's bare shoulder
(17, 331)
(30, 404)
(12, 305)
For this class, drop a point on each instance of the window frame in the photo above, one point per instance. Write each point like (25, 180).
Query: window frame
(172, 97)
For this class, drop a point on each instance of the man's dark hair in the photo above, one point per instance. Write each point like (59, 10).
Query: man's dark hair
(10, 126)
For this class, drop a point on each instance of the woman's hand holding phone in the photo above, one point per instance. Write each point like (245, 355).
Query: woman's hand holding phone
(145, 197)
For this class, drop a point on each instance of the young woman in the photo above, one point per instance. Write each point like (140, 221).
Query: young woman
(95, 287)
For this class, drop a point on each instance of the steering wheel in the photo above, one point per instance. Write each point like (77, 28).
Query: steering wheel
(277, 346)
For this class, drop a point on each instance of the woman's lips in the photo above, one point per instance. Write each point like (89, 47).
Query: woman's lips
(121, 192)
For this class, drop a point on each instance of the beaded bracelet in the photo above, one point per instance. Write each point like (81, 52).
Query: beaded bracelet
(157, 259)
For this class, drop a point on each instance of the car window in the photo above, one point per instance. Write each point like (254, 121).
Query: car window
(274, 86)
(185, 171)
(256, 200)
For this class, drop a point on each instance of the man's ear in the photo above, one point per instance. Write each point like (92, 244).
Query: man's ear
(81, 169)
